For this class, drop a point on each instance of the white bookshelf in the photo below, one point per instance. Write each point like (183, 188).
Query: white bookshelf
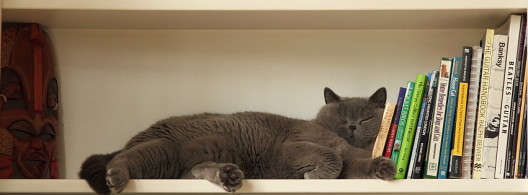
(169, 57)
(345, 186)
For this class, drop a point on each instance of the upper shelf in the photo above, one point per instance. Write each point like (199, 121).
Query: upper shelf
(269, 14)
(279, 186)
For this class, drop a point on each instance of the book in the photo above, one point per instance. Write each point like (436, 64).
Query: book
(471, 112)
(521, 165)
(395, 121)
(419, 169)
(524, 148)
(410, 126)
(455, 163)
(520, 114)
(435, 137)
(525, 127)
(403, 121)
(449, 118)
(512, 28)
(383, 132)
(512, 136)
(487, 45)
(419, 126)
(492, 129)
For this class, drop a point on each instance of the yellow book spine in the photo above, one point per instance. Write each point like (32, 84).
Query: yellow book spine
(383, 132)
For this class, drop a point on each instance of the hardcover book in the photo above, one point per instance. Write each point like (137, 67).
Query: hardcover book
(403, 121)
(423, 142)
(410, 126)
(449, 119)
(383, 132)
(471, 112)
(455, 169)
(512, 28)
(435, 138)
(395, 121)
(494, 106)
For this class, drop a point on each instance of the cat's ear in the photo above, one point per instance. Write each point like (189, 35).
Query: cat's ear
(330, 96)
(379, 97)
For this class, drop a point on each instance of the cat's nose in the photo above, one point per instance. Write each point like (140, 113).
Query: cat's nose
(352, 127)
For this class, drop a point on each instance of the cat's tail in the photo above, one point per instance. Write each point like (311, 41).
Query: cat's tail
(93, 170)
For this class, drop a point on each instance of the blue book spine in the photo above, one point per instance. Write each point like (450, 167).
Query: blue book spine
(449, 123)
(403, 120)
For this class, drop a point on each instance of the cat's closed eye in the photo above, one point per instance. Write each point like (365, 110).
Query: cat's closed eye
(366, 120)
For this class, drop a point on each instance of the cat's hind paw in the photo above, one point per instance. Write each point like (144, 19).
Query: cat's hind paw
(384, 168)
(231, 177)
(116, 179)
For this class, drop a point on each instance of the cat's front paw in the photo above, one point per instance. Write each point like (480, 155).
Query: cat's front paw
(116, 179)
(231, 177)
(383, 168)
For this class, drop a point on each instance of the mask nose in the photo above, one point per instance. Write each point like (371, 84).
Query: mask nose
(352, 127)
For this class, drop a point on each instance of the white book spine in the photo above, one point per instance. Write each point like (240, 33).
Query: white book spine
(435, 138)
(483, 103)
(491, 134)
(471, 112)
(509, 75)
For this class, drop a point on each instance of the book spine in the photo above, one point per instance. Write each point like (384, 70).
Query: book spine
(521, 167)
(512, 136)
(435, 138)
(455, 169)
(509, 75)
(525, 127)
(471, 112)
(449, 119)
(426, 129)
(487, 45)
(520, 113)
(419, 126)
(394, 125)
(491, 132)
(383, 132)
(403, 120)
(524, 148)
(410, 126)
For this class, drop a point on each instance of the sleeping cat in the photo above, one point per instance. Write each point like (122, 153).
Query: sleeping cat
(226, 148)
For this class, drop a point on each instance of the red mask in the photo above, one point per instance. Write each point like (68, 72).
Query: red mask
(29, 124)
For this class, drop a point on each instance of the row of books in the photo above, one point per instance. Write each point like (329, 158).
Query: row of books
(468, 118)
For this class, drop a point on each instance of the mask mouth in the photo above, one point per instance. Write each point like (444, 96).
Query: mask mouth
(34, 163)
(35, 160)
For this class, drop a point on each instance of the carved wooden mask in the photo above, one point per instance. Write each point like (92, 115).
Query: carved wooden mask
(29, 123)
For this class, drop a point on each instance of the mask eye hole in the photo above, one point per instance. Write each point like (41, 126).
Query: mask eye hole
(21, 130)
(48, 133)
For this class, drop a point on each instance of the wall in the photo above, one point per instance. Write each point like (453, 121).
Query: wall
(115, 83)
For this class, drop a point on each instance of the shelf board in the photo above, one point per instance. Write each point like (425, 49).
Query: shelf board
(276, 186)
(273, 14)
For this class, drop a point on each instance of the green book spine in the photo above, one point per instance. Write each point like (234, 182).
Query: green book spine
(403, 121)
(410, 126)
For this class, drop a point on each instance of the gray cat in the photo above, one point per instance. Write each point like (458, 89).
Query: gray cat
(226, 148)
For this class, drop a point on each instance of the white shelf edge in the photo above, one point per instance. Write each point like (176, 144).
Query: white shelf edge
(261, 5)
(255, 14)
(276, 186)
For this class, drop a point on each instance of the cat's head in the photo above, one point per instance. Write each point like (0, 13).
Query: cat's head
(356, 119)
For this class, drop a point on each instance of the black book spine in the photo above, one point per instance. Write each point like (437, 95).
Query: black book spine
(418, 169)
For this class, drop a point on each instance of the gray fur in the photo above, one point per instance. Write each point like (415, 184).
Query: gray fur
(226, 148)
